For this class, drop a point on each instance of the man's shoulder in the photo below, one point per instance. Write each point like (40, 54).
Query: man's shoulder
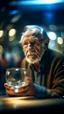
(55, 53)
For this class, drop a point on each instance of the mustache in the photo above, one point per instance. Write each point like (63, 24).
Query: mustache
(30, 53)
(33, 54)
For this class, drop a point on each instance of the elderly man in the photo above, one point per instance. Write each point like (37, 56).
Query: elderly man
(46, 66)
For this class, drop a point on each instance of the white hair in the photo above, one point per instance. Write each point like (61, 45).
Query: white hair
(33, 30)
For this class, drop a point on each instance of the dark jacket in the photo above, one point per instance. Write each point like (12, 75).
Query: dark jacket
(53, 72)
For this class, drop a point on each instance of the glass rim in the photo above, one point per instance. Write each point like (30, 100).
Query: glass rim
(16, 69)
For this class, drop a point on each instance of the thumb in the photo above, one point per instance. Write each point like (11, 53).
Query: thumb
(28, 79)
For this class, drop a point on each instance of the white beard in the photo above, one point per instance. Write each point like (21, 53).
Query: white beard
(35, 60)
(32, 61)
(38, 58)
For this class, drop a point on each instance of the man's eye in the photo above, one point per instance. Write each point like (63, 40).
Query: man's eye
(35, 43)
(32, 43)
(26, 43)
(41, 41)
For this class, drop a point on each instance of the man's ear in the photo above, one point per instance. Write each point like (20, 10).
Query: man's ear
(47, 41)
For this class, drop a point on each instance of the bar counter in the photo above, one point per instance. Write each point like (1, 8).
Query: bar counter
(29, 103)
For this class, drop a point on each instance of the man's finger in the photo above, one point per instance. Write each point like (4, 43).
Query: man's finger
(8, 86)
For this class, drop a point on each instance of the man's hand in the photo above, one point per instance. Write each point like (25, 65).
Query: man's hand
(27, 90)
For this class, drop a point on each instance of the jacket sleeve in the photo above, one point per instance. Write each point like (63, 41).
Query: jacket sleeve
(57, 89)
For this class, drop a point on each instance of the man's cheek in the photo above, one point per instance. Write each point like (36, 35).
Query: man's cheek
(24, 52)
(24, 49)
(37, 48)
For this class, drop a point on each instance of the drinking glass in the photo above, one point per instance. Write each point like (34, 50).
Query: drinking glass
(15, 77)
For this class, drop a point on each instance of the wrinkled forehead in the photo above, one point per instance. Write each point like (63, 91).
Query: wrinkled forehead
(32, 34)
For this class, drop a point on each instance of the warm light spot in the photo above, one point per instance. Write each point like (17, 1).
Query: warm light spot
(12, 32)
(59, 40)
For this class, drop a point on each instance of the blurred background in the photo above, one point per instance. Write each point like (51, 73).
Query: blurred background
(15, 14)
